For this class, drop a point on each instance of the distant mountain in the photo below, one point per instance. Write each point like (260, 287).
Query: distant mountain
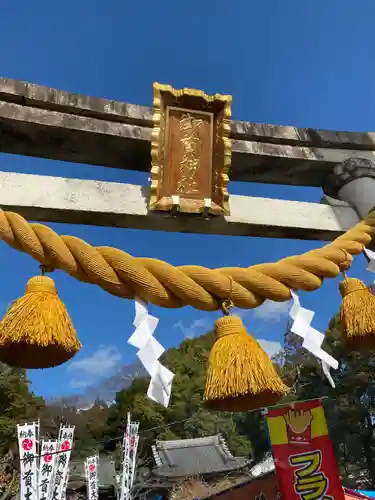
(104, 390)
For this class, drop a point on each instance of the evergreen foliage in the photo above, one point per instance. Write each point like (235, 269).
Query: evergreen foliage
(350, 407)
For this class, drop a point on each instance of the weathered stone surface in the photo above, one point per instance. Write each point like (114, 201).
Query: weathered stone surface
(56, 199)
(30, 94)
(346, 172)
(353, 181)
(48, 123)
(283, 134)
(40, 96)
(43, 133)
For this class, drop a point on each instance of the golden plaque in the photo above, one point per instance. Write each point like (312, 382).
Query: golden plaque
(191, 151)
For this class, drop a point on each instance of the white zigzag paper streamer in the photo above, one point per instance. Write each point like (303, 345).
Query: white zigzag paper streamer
(371, 255)
(149, 353)
(312, 339)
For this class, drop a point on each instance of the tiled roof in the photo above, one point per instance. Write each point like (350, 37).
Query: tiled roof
(190, 457)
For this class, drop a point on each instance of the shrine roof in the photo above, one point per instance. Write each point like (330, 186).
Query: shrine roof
(189, 457)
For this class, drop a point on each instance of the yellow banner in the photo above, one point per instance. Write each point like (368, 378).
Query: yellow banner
(277, 427)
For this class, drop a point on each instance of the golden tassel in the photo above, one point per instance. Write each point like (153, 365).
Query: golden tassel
(357, 313)
(36, 331)
(240, 374)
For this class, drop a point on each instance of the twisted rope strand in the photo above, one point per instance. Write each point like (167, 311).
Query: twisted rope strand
(166, 286)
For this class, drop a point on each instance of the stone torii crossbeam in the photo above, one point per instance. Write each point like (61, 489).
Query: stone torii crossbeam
(189, 146)
(43, 122)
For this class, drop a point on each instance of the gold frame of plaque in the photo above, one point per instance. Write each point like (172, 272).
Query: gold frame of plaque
(191, 151)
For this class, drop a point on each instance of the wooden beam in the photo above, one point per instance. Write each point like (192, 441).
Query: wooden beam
(56, 199)
(44, 122)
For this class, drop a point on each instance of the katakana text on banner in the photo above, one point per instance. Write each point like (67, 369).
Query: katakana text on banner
(304, 458)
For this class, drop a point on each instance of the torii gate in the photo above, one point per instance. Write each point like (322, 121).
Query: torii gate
(47, 123)
(185, 130)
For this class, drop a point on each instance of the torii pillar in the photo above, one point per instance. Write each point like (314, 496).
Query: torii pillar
(353, 181)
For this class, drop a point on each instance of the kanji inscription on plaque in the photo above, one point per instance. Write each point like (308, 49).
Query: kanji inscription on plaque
(191, 151)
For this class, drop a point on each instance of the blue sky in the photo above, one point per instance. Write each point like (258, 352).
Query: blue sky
(307, 64)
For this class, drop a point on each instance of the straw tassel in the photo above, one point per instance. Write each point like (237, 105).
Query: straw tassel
(36, 331)
(240, 374)
(357, 313)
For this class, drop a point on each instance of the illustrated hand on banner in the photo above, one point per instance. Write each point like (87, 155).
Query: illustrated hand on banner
(304, 458)
(149, 353)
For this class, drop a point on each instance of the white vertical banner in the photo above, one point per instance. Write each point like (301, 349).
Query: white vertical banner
(134, 426)
(27, 443)
(61, 469)
(37, 447)
(125, 464)
(92, 477)
(65, 486)
(37, 443)
(47, 463)
(130, 445)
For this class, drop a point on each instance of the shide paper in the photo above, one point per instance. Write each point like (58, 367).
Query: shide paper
(312, 339)
(149, 353)
(371, 256)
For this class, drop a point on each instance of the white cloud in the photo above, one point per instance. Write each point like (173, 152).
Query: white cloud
(100, 364)
(196, 327)
(271, 347)
(272, 311)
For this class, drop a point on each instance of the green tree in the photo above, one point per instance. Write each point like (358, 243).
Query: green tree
(185, 417)
(89, 425)
(17, 403)
(349, 407)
